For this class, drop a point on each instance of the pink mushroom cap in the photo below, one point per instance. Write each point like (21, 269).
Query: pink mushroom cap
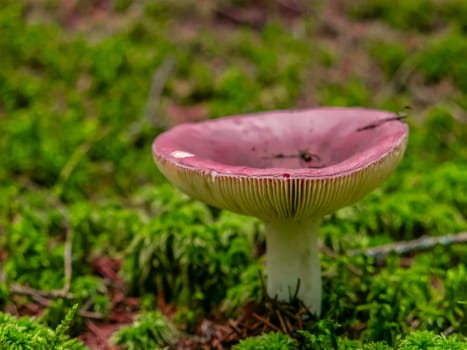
(283, 164)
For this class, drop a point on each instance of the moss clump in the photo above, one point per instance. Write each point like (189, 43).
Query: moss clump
(26, 333)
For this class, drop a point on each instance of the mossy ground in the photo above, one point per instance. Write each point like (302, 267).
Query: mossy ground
(85, 216)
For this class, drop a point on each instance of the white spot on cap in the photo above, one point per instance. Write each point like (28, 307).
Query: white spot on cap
(181, 154)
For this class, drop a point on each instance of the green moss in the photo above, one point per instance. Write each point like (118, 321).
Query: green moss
(439, 61)
(415, 14)
(150, 331)
(186, 255)
(25, 333)
(273, 341)
(352, 93)
(390, 56)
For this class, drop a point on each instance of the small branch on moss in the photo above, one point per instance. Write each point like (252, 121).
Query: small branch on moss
(73, 161)
(87, 305)
(91, 315)
(67, 259)
(44, 297)
(150, 116)
(54, 200)
(404, 247)
(448, 331)
(37, 294)
(159, 79)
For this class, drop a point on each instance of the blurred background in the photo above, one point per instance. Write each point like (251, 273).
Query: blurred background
(107, 75)
(86, 85)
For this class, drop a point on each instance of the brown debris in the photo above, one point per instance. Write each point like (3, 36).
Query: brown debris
(255, 14)
(108, 268)
(123, 309)
(76, 13)
(268, 315)
(98, 334)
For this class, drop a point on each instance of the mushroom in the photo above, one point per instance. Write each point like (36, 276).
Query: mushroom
(289, 169)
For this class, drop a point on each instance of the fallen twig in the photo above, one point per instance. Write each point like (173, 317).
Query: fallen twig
(281, 321)
(448, 331)
(67, 259)
(38, 294)
(265, 321)
(150, 116)
(404, 247)
(44, 298)
(91, 315)
(75, 158)
(159, 79)
(54, 198)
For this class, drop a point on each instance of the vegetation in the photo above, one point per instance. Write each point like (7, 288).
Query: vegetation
(24, 333)
(86, 218)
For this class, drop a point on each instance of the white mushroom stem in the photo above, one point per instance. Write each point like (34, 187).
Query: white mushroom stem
(292, 255)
